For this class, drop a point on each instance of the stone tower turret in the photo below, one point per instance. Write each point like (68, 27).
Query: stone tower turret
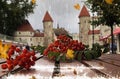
(48, 29)
(84, 25)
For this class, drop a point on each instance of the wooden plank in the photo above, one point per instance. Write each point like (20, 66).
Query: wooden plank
(111, 56)
(44, 69)
(76, 69)
(109, 69)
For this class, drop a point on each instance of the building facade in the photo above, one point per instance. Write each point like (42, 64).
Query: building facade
(48, 29)
(27, 35)
(84, 25)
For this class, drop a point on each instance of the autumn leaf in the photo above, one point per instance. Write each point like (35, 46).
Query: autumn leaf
(100, 63)
(109, 1)
(33, 1)
(3, 50)
(75, 72)
(70, 54)
(77, 6)
(33, 77)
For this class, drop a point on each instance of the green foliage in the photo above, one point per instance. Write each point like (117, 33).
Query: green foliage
(89, 54)
(106, 49)
(79, 55)
(39, 49)
(13, 13)
(108, 13)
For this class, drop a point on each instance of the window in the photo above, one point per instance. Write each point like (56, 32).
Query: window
(31, 33)
(30, 39)
(31, 44)
(20, 39)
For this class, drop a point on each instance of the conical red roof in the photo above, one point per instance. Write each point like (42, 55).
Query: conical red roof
(47, 17)
(84, 12)
(26, 26)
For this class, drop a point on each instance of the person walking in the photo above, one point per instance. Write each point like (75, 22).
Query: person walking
(114, 48)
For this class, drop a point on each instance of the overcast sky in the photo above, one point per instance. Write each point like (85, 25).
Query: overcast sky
(61, 11)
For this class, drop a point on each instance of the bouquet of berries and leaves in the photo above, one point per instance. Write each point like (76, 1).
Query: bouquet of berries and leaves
(16, 57)
(63, 49)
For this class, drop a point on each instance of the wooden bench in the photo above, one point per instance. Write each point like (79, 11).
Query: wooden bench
(107, 66)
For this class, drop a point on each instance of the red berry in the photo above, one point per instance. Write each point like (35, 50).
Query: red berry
(21, 64)
(15, 62)
(25, 51)
(34, 58)
(32, 53)
(11, 52)
(27, 66)
(10, 66)
(4, 66)
(45, 52)
(32, 63)
(28, 55)
(18, 49)
(9, 62)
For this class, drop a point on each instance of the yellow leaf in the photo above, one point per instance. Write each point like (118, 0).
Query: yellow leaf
(33, 1)
(33, 77)
(109, 1)
(77, 6)
(3, 50)
(70, 54)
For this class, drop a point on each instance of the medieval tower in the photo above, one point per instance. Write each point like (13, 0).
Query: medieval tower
(48, 29)
(84, 25)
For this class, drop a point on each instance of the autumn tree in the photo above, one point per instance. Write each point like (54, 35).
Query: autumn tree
(108, 12)
(12, 13)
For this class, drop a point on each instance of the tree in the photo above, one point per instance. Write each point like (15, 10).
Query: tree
(108, 11)
(13, 13)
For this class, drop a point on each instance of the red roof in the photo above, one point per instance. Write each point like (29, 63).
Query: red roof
(116, 30)
(84, 12)
(26, 26)
(38, 34)
(95, 32)
(47, 17)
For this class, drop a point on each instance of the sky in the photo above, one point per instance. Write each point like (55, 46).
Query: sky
(61, 11)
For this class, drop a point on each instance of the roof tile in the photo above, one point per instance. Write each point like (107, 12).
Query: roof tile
(84, 12)
(47, 17)
(26, 26)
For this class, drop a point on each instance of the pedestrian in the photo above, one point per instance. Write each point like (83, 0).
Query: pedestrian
(114, 48)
